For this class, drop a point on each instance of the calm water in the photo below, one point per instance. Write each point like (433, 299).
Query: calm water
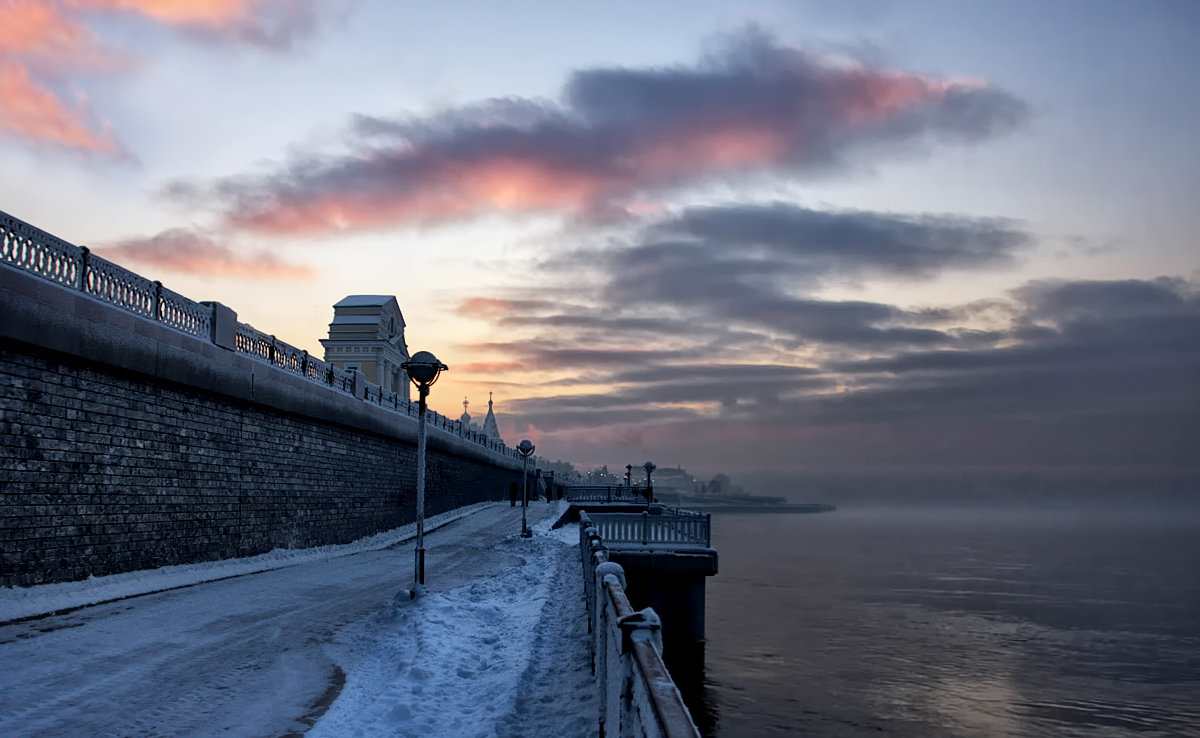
(935, 622)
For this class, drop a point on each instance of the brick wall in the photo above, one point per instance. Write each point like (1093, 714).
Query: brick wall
(104, 471)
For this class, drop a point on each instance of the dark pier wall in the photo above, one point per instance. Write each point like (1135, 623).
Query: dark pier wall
(671, 582)
(126, 445)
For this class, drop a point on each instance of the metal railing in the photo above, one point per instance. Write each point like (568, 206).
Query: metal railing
(605, 493)
(638, 697)
(677, 530)
(30, 249)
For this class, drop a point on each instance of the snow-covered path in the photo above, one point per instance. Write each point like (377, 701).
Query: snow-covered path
(502, 656)
(259, 655)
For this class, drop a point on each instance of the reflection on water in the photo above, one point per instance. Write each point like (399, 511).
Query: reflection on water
(951, 623)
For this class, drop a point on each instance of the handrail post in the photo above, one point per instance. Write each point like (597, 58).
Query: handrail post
(645, 528)
(84, 265)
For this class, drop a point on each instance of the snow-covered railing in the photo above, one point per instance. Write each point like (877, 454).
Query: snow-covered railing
(605, 493)
(679, 530)
(637, 695)
(30, 249)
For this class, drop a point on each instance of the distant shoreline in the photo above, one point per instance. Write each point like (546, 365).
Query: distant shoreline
(789, 507)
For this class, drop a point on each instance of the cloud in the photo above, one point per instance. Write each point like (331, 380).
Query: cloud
(490, 367)
(45, 43)
(1132, 338)
(755, 108)
(1110, 378)
(39, 28)
(669, 312)
(272, 24)
(184, 251)
(703, 334)
(1112, 390)
(825, 242)
(754, 267)
(33, 112)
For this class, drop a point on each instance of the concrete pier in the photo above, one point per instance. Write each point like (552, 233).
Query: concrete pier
(665, 552)
(671, 582)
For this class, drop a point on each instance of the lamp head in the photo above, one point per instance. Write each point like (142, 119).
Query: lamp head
(525, 448)
(424, 368)
(649, 467)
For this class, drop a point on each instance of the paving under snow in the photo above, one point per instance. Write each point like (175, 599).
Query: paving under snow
(324, 644)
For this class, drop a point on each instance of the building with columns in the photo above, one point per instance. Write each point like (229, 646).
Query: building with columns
(367, 335)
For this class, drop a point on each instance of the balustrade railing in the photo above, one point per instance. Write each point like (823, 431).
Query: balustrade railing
(637, 696)
(605, 493)
(182, 314)
(33, 250)
(644, 529)
(37, 252)
(30, 249)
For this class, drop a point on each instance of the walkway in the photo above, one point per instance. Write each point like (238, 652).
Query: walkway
(266, 654)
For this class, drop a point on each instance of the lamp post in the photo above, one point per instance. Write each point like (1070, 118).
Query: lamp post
(649, 467)
(423, 369)
(628, 476)
(525, 448)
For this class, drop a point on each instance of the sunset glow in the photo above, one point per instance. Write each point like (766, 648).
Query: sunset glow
(780, 237)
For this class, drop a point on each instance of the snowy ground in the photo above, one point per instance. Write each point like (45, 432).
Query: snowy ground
(505, 656)
(496, 648)
(20, 602)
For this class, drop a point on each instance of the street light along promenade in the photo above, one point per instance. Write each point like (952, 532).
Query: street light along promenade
(423, 369)
(525, 448)
(649, 467)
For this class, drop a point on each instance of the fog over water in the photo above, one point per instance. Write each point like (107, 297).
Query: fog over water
(1051, 615)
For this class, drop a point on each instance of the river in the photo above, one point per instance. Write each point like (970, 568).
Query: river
(949, 621)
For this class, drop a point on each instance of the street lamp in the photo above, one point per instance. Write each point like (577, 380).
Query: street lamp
(423, 369)
(628, 476)
(525, 448)
(649, 467)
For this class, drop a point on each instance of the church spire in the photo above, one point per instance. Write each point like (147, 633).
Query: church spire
(489, 423)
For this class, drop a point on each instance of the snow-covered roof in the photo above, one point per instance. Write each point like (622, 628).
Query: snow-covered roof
(364, 301)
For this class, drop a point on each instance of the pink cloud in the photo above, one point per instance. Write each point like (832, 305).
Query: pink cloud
(183, 251)
(492, 367)
(485, 307)
(35, 113)
(44, 42)
(616, 140)
(176, 12)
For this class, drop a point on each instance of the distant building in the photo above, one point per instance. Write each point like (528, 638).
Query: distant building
(489, 428)
(673, 480)
(367, 335)
(489, 423)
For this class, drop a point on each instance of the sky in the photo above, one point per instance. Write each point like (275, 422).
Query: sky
(757, 237)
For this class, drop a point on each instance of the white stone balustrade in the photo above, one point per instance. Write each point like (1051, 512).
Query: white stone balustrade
(637, 695)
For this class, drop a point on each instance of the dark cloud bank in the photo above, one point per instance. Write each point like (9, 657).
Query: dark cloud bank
(704, 327)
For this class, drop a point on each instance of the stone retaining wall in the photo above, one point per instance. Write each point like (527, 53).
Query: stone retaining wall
(126, 445)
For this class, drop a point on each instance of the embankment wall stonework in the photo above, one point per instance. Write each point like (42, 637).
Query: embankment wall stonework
(125, 445)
